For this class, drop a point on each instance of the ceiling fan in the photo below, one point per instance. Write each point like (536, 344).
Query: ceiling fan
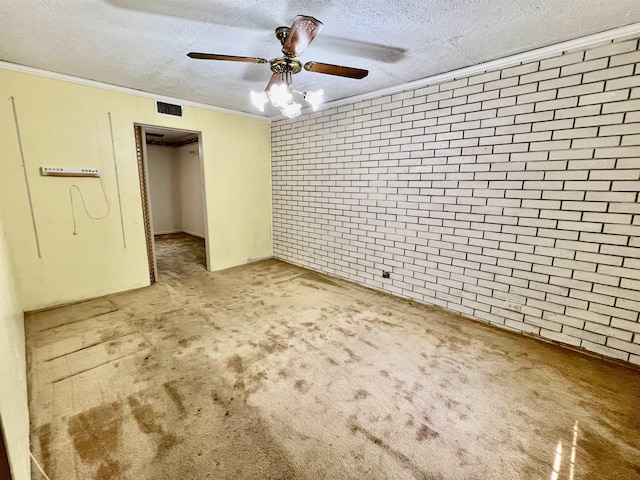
(279, 91)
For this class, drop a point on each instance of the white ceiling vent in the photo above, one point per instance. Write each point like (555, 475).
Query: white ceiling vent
(171, 109)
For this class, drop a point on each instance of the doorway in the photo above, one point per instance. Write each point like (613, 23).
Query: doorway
(173, 195)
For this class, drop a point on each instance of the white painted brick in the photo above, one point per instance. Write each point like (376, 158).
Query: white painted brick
(579, 154)
(624, 129)
(607, 351)
(560, 337)
(625, 58)
(625, 303)
(616, 152)
(633, 348)
(628, 106)
(484, 77)
(520, 70)
(611, 119)
(529, 202)
(454, 84)
(584, 89)
(432, 97)
(550, 145)
(468, 90)
(580, 226)
(427, 90)
(537, 97)
(612, 96)
(534, 117)
(586, 66)
(595, 142)
(575, 133)
(585, 111)
(560, 82)
(625, 325)
(628, 140)
(625, 82)
(568, 242)
(585, 335)
(557, 104)
(560, 61)
(516, 110)
(539, 76)
(518, 90)
(607, 74)
(452, 102)
(532, 137)
(507, 129)
(613, 48)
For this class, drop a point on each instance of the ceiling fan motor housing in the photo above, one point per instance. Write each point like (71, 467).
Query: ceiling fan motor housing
(282, 33)
(285, 65)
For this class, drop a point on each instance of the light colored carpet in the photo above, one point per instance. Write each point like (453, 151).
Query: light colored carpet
(269, 371)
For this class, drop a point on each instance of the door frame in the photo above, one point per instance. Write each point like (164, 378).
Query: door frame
(5, 464)
(145, 193)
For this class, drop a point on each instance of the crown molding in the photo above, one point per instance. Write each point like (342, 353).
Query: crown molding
(116, 88)
(582, 43)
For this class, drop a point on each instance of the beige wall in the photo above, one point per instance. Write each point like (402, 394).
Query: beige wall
(66, 124)
(13, 385)
(164, 189)
(191, 190)
(176, 189)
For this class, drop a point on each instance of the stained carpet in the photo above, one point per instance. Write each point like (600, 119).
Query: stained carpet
(270, 371)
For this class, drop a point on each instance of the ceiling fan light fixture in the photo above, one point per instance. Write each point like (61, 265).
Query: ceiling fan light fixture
(259, 99)
(280, 95)
(314, 98)
(291, 110)
(279, 91)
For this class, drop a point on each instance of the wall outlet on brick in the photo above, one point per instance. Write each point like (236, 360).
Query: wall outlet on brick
(514, 307)
(386, 274)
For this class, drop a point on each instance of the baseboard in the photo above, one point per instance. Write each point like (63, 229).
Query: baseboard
(199, 235)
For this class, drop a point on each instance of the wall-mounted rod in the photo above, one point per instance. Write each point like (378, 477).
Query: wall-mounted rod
(26, 177)
(115, 166)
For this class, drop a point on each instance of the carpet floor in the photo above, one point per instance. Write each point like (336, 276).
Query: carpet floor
(271, 371)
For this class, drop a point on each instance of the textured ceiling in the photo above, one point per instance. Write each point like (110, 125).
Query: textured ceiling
(142, 44)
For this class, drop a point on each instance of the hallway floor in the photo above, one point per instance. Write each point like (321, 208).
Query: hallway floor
(270, 371)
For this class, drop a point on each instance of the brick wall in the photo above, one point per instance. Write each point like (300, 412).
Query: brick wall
(511, 196)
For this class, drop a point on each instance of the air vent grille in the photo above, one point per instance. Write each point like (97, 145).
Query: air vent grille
(169, 109)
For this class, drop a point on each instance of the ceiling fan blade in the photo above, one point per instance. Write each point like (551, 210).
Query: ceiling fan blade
(303, 31)
(338, 70)
(229, 58)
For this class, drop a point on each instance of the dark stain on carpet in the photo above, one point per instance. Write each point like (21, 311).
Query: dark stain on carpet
(175, 397)
(109, 470)
(235, 364)
(95, 433)
(302, 386)
(426, 433)
(146, 417)
(405, 461)
(44, 439)
(360, 394)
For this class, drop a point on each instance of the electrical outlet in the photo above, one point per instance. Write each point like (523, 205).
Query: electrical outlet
(69, 172)
(513, 307)
(386, 274)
